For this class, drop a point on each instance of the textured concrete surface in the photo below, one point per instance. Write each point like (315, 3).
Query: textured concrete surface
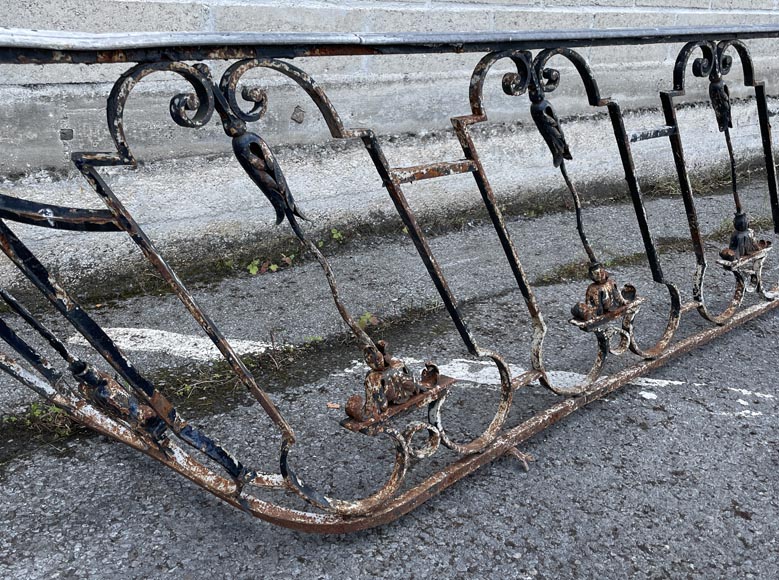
(72, 97)
(187, 193)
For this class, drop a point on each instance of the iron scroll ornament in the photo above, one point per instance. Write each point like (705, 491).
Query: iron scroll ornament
(130, 409)
(193, 110)
(714, 64)
(257, 159)
(604, 301)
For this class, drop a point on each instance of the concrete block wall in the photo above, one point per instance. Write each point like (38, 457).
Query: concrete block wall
(200, 208)
(392, 94)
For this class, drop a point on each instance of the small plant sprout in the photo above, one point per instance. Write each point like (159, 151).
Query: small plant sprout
(367, 319)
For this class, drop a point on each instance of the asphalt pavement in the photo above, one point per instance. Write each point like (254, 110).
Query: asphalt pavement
(673, 476)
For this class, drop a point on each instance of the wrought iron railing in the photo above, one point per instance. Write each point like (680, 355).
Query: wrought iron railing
(129, 408)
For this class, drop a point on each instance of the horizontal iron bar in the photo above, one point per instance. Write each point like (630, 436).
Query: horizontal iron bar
(55, 216)
(663, 131)
(33, 46)
(431, 170)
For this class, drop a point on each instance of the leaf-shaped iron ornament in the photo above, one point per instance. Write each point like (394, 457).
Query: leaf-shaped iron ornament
(719, 93)
(260, 165)
(549, 126)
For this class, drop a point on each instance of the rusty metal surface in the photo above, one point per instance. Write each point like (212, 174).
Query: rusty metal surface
(127, 407)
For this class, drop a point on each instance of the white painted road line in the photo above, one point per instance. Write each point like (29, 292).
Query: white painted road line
(751, 393)
(198, 348)
(484, 372)
(478, 373)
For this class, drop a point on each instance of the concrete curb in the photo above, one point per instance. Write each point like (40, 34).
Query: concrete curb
(205, 215)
